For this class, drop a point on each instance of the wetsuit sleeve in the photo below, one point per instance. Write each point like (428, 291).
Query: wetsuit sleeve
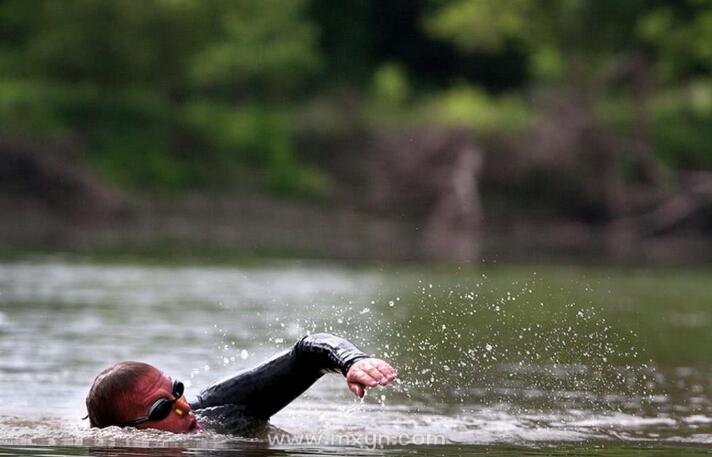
(262, 391)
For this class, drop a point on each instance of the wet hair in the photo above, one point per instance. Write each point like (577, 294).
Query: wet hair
(111, 388)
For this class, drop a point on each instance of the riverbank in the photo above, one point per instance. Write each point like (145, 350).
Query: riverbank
(229, 228)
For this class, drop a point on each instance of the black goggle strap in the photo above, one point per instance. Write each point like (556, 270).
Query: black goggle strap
(135, 422)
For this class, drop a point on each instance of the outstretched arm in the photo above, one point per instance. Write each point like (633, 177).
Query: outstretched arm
(267, 388)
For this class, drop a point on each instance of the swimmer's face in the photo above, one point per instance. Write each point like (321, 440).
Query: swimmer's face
(151, 387)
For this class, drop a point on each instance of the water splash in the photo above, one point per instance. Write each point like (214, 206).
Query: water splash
(471, 344)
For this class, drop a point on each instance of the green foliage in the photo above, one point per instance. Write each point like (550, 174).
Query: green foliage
(592, 45)
(391, 85)
(29, 109)
(257, 136)
(548, 63)
(107, 43)
(173, 95)
(263, 45)
(681, 127)
(163, 95)
(577, 38)
(389, 101)
(472, 108)
(482, 24)
(682, 40)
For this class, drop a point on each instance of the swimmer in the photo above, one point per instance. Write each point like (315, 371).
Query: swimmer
(134, 394)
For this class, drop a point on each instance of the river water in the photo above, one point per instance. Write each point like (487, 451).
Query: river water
(492, 361)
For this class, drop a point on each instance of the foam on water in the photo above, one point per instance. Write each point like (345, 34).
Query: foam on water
(476, 427)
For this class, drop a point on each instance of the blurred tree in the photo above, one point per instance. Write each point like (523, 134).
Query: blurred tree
(264, 47)
(358, 37)
(179, 94)
(626, 85)
(105, 43)
(564, 39)
(619, 57)
(680, 33)
(125, 77)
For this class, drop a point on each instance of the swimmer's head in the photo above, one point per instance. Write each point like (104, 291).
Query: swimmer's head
(126, 393)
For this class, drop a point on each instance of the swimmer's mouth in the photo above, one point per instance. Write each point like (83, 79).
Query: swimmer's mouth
(194, 426)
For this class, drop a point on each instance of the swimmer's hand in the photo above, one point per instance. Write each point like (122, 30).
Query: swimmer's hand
(369, 372)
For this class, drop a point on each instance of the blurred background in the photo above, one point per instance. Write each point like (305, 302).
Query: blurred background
(441, 130)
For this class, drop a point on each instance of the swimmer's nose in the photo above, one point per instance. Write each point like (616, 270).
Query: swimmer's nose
(182, 407)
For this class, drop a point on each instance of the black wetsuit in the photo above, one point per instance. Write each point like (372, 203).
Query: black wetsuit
(244, 403)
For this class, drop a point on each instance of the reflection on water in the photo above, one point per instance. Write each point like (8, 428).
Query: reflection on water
(512, 357)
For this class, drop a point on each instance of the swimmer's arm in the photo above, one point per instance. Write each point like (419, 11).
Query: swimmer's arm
(267, 388)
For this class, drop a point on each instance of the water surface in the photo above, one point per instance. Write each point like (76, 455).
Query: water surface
(494, 361)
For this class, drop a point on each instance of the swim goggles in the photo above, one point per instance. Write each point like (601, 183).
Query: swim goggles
(161, 408)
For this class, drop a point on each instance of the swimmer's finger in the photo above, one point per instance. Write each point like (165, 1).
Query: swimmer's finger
(364, 372)
(356, 388)
(375, 373)
(383, 376)
(387, 372)
(358, 374)
(379, 370)
(384, 367)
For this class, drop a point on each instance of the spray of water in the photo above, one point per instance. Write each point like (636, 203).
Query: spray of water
(526, 349)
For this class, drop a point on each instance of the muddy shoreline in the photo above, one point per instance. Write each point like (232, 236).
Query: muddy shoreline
(262, 226)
